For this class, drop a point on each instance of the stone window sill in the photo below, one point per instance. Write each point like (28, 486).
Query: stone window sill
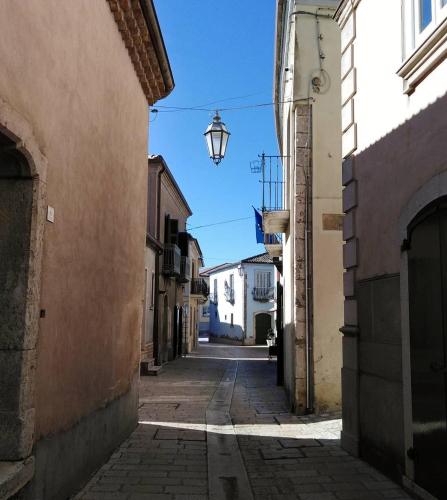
(425, 58)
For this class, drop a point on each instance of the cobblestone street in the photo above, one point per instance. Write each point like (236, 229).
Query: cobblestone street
(215, 425)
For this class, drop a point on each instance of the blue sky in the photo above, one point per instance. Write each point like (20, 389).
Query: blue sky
(218, 50)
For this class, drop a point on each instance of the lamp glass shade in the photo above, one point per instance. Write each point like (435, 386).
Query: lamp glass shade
(216, 136)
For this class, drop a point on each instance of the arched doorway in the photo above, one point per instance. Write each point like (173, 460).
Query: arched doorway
(263, 323)
(427, 305)
(18, 310)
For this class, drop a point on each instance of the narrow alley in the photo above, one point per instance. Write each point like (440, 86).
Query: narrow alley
(215, 425)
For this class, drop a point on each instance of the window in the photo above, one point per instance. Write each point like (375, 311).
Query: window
(232, 324)
(232, 281)
(424, 28)
(263, 279)
(427, 15)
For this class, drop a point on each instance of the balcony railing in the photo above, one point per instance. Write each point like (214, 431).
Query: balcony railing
(199, 287)
(185, 269)
(229, 294)
(213, 298)
(171, 260)
(263, 294)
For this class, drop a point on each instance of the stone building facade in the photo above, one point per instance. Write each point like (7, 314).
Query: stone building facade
(307, 90)
(394, 115)
(168, 211)
(242, 300)
(195, 294)
(76, 81)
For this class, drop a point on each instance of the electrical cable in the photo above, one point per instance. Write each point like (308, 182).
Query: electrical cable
(219, 223)
(174, 109)
(229, 99)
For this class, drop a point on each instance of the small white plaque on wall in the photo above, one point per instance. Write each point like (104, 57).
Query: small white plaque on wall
(50, 214)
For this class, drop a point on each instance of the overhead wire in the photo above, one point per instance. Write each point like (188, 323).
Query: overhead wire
(219, 223)
(175, 109)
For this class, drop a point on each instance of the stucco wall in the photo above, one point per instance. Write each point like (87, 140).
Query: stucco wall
(400, 147)
(399, 136)
(170, 204)
(66, 87)
(147, 333)
(254, 306)
(312, 142)
(193, 301)
(395, 166)
(220, 314)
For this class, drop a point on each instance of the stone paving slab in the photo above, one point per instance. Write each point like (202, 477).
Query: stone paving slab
(221, 403)
(297, 457)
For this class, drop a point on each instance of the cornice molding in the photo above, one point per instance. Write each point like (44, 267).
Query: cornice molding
(142, 37)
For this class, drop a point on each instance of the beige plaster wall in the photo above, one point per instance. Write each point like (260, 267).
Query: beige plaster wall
(66, 70)
(302, 61)
(193, 302)
(170, 204)
(147, 330)
(327, 244)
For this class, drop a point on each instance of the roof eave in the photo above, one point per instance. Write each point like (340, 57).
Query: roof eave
(155, 33)
(277, 71)
(137, 22)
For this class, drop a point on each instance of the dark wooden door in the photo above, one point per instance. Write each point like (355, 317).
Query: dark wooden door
(263, 322)
(427, 273)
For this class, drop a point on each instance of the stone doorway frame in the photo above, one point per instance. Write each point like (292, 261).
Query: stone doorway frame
(432, 190)
(15, 127)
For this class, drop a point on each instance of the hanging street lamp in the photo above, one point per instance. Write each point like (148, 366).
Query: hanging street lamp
(216, 136)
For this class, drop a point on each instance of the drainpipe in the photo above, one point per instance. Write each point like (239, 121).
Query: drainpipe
(157, 272)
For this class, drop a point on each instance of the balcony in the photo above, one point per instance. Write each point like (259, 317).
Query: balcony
(185, 269)
(273, 244)
(171, 260)
(263, 294)
(199, 287)
(275, 221)
(229, 293)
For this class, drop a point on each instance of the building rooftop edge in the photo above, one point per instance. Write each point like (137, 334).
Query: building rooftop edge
(140, 30)
(158, 159)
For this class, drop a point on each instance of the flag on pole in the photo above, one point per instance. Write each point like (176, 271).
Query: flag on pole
(259, 231)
